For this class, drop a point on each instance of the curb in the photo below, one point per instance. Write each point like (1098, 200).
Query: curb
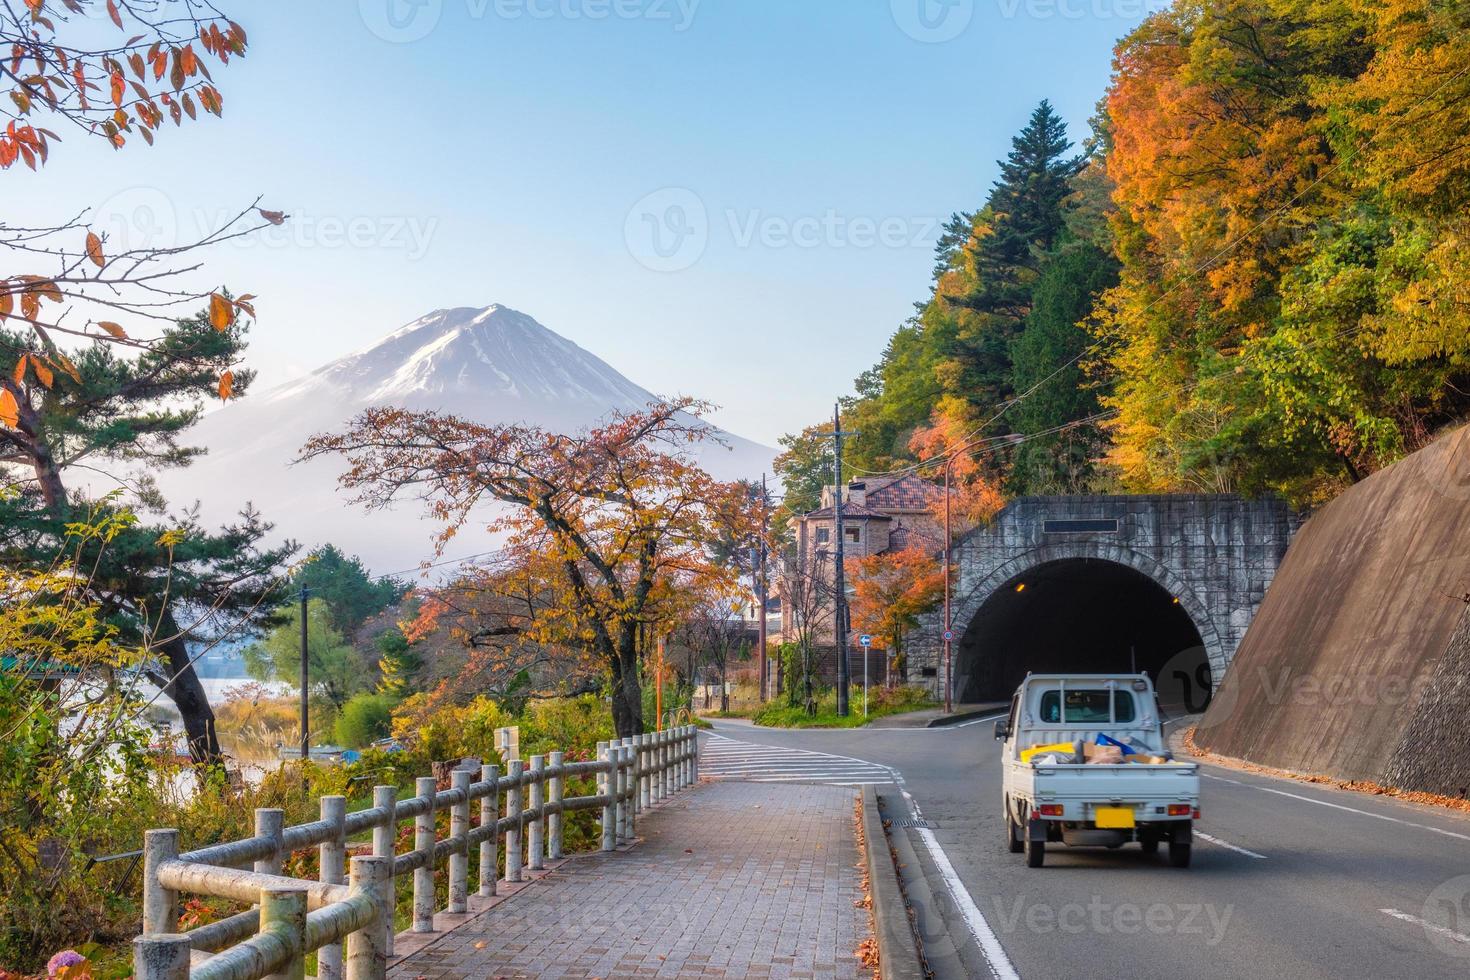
(898, 953)
(944, 721)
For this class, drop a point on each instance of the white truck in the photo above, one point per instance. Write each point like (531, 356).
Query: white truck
(1057, 797)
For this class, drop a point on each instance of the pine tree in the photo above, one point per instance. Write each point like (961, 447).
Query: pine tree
(165, 581)
(1045, 357)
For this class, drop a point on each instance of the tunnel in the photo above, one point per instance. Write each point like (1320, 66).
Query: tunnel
(1082, 615)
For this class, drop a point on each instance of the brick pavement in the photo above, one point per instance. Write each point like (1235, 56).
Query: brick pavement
(730, 880)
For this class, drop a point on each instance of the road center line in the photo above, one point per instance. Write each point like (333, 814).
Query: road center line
(1438, 930)
(1339, 806)
(1228, 846)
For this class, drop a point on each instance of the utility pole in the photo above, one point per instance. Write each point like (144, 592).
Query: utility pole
(758, 564)
(305, 730)
(839, 619)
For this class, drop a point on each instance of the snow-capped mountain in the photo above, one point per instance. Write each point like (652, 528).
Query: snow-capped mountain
(494, 365)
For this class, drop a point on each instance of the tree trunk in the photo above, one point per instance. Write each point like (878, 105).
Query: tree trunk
(627, 692)
(188, 696)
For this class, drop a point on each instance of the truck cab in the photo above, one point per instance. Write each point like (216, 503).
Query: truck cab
(1085, 764)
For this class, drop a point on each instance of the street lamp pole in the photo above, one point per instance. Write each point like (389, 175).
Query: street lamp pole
(305, 732)
(948, 626)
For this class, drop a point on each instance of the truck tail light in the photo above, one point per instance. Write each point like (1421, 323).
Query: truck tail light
(1196, 813)
(1181, 810)
(1050, 809)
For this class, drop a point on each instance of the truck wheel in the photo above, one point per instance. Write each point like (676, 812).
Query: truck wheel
(1013, 835)
(1149, 843)
(1179, 845)
(1035, 852)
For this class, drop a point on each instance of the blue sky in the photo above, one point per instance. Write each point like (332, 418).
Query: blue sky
(734, 199)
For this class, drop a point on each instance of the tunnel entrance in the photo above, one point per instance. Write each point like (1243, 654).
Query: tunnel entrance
(1081, 615)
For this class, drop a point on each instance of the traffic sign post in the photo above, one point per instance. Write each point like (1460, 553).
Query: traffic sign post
(866, 641)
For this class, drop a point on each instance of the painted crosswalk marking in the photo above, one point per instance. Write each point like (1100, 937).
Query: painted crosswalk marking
(722, 757)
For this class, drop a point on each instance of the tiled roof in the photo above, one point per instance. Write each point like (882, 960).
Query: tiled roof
(906, 492)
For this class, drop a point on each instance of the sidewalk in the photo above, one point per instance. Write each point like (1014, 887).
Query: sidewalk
(731, 880)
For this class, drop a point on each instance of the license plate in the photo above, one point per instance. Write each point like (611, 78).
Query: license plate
(1113, 817)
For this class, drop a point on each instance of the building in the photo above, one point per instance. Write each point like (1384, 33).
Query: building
(880, 515)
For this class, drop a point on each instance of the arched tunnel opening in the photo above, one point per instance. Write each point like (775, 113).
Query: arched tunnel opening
(1085, 616)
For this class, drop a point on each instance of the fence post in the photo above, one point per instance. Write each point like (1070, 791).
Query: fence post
(536, 832)
(687, 751)
(490, 817)
(270, 822)
(161, 956)
(663, 765)
(645, 766)
(385, 845)
(160, 905)
(515, 768)
(459, 827)
(330, 857)
(694, 761)
(367, 949)
(635, 746)
(557, 789)
(620, 782)
(283, 911)
(423, 843)
(605, 784)
(630, 786)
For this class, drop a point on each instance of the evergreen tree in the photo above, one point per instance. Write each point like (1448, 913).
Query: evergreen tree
(1045, 357)
(1022, 223)
(343, 584)
(165, 581)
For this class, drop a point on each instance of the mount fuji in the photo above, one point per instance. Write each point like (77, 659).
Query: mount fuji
(493, 365)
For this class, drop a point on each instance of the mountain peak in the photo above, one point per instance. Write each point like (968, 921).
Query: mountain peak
(493, 365)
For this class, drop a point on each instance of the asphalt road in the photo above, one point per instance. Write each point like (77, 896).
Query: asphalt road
(1288, 879)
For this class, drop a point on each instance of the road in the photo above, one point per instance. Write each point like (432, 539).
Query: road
(1289, 879)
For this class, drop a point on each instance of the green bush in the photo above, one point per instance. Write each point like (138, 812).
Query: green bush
(365, 719)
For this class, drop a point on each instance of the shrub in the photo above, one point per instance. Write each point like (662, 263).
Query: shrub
(364, 719)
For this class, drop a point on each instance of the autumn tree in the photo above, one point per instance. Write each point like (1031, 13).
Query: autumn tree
(616, 515)
(891, 591)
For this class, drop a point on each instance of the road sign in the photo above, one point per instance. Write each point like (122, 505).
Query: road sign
(865, 640)
(948, 635)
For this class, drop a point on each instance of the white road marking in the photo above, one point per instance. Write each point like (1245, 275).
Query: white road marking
(723, 758)
(995, 954)
(1438, 930)
(1228, 846)
(1339, 806)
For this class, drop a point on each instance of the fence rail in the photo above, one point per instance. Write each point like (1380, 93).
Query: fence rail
(348, 920)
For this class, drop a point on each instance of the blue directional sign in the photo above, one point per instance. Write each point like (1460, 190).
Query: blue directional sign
(865, 640)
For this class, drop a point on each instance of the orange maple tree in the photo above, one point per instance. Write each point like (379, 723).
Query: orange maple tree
(891, 591)
(58, 68)
(612, 527)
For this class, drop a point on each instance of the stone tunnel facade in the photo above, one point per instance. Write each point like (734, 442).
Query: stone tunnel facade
(1138, 559)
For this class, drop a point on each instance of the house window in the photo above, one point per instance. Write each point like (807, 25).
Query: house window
(854, 535)
(823, 535)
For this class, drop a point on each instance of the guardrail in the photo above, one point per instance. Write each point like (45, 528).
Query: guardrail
(293, 917)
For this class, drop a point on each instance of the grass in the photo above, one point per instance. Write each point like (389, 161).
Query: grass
(881, 703)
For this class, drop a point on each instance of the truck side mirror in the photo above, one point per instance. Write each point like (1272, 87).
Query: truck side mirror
(1003, 729)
